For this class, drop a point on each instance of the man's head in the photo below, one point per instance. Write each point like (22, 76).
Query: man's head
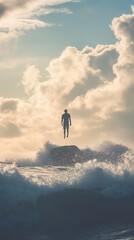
(65, 110)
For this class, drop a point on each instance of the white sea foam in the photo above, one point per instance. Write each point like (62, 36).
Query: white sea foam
(36, 195)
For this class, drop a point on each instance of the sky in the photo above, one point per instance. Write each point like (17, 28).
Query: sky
(58, 54)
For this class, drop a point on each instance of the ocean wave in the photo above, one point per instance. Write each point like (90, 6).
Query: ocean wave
(42, 199)
(107, 151)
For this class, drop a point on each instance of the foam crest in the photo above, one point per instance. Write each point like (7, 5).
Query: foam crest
(113, 179)
(55, 197)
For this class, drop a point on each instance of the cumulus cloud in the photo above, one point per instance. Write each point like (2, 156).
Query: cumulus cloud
(103, 58)
(64, 76)
(8, 105)
(111, 102)
(96, 84)
(31, 79)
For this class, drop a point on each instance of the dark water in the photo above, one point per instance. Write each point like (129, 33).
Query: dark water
(90, 200)
(92, 233)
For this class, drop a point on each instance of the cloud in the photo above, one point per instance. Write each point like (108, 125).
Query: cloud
(31, 79)
(103, 58)
(6, 6)
(62, 78)
(95, 84)
(18, 16)
(8, 105)
(9, 129)
(111, 102)
(2, 9)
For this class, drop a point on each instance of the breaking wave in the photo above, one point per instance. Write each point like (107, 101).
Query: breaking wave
(106, 152)
(44, 199)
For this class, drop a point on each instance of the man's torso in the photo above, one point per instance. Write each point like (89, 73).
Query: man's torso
(66, 118)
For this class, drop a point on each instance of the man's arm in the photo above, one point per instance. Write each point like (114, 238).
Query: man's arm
(62, 120)
(70, 120)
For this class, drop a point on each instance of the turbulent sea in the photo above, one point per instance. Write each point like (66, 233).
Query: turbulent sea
(88, 200)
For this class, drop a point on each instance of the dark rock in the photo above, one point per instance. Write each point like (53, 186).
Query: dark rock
(66, 155)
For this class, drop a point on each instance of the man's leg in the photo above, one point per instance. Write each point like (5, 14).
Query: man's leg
(64, 132)
(67, 131)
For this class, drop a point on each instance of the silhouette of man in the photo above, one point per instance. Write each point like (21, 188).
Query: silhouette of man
(65, 122)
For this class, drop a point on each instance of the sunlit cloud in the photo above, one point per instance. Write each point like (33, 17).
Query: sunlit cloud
(31, 79)
(18, 16)
(95, 84)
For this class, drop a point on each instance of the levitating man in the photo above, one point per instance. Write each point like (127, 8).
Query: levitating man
(65, 122)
